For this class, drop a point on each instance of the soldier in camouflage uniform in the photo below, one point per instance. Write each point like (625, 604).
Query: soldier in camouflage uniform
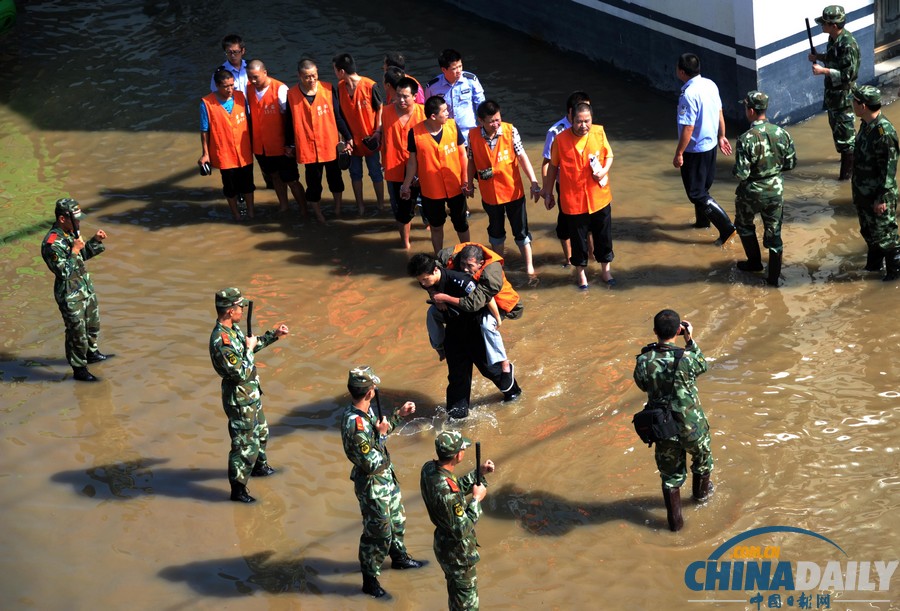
(658, 366)
(841, 68)
(64, 252)
(762, 153)
(874, 185)
(454, 518)
(363, 435)
(232, 355)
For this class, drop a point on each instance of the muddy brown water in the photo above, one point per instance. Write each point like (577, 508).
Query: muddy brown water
(114, 494)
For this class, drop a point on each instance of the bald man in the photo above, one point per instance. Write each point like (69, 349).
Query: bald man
(267, 98)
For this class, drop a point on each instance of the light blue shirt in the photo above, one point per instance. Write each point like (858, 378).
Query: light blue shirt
(555, 130)
(462, 97)
(700, 105)
(240, 77)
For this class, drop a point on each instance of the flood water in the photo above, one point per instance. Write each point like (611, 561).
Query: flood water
(114, 495)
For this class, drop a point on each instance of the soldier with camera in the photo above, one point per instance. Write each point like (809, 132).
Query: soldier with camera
(668, 374)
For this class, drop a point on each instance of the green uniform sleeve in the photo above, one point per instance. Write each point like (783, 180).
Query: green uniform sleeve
(742, 159)
(234, 364)
(489, 284)
(265, 339)
(92, 248)
(361, 446)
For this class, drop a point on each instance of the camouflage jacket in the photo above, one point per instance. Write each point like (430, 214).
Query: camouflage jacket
(454, 519)
(236, 365)
(875, 162)
(653, 375)
(763, 152)
(842, 58)
(72, 281)
(363, 446)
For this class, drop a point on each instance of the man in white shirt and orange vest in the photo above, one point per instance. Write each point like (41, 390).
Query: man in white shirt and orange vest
(496, 155)
(267, 100)
(581, 158)
(437, 156)
(361, 104)
(225, 141)
(315, 128)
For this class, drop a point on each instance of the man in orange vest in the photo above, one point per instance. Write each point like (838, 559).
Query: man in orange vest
(225, 141)
(495, 155)
(268, 105)
(580, 158)
(361, 104)
(398, 120)
(314, 130)
(437, 157)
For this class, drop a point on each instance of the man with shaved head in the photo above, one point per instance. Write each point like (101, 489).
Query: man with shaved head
(267, 100)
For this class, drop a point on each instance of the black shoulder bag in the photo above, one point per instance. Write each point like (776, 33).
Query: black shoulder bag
(657, 421)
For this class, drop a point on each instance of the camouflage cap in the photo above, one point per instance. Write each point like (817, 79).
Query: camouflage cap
(362, 377)
(867, 94)
(448, 443)
(66, 205)
(229, 297)
(832, 14)
(756, 100)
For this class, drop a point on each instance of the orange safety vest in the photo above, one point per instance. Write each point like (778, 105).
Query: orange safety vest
(315, 130)
(394, 139)
(266, 121)
(229, 136)
(359, 113)
(579, 193)
(507, 297)
(506, 184)
(440, 165)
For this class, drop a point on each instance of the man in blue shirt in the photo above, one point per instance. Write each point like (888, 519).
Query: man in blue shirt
(462, 91)
(233, 46)
(701, 126)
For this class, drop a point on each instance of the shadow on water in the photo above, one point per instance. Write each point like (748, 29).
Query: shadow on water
(21, 368)
(242, 576)
(129, 479)
(325, 415)
(549, 515)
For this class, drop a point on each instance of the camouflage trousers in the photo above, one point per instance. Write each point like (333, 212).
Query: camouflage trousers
(82, 321)
(384, 520)
(462, 588)
(249, 434)
(877, 231)
(841, 121)
(770, 210)
(671, 454)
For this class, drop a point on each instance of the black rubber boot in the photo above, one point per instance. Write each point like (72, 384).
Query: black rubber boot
(774, 268)
(513, 393)
(96, 357)
(754, 257)
(372, 587)
(700, 219)
(672, 496)
(262, 470)
(702, 488)
(83, 375)
(892, 265)
(404, 561)
(239, 493)
(459, 410)
(846, 166)
(719, 219)
(874, 259)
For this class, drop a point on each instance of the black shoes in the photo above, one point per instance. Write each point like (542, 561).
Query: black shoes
(239, 493)
(83, 375)
(507, 379)
(96, 357)
(405, 562)
(754, 256)
(372, 587)
(458, 411)
(702, 488)
(263, 470)
(513, 393)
